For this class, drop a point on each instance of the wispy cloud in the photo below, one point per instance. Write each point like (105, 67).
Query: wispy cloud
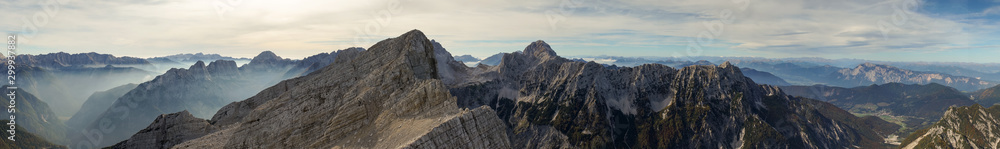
(298, 28)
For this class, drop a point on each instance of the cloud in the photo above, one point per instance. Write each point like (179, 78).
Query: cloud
(299, 28)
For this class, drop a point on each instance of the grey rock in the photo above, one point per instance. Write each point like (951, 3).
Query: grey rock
(476, 128)
(168, 130)
(651, 106)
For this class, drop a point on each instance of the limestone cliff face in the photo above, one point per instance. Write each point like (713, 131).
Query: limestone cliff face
(470, 128)
(652, 106)
(452, 72)
(390, 96)
(968, 127)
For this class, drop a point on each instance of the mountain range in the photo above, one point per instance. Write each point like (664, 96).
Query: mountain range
(200, 89)
(909, 105)
(869, 73)
(550, 101)
(840, 72)
(387, 97)
(410, 92)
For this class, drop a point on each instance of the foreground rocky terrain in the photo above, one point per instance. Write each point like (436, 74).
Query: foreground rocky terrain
(967, 127)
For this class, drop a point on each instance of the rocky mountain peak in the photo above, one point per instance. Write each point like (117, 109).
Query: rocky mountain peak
(221, 68)
(266, 55)
(267, 61)
(540, 49)
(168, 130)
(197, 65)
(725, 65)
(414, 48)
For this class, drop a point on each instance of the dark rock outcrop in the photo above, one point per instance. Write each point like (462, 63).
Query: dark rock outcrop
(168, 130)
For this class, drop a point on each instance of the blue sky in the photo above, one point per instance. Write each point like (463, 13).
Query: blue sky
(892, 30)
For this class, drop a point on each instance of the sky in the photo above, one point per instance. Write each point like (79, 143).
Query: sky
(887, 30)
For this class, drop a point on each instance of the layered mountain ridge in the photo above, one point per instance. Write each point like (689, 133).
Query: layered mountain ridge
(199, 89)
(62, 59)
(870, 73)
(911, 105)
(396, 83)
(398, 94)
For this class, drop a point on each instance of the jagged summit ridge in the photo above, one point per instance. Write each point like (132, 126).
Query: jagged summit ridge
(415, 49)
(549, 101)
